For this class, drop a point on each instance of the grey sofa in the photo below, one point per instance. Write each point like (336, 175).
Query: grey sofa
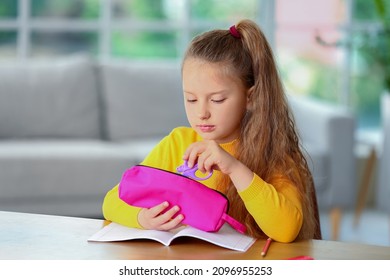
(327, 132)
(69, 128)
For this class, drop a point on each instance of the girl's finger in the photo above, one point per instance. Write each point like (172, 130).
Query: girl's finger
(167, 216)
(209, 164)
(202, 158)
(156, 210)
(172, 223)
(193, 155)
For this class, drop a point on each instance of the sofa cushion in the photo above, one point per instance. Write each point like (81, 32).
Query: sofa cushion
(318, 162)
(142, 100)
(49, 99)
(45, 169)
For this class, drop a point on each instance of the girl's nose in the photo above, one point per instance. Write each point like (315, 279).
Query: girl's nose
(203, 112)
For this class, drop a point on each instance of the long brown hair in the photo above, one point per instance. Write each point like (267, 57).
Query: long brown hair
(268, 144)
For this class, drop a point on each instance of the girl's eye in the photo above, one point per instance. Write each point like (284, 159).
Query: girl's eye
(218, 100)
(191, 100)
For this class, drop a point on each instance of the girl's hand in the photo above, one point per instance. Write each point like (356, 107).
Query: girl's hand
(155, 218)
(209, 155)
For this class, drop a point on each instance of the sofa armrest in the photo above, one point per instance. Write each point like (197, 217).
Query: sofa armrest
(330, 129)
(343, 162)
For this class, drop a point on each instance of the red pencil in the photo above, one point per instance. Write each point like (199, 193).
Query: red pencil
(266, 246)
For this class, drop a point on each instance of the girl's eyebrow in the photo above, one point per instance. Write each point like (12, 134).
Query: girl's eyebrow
(209, 94)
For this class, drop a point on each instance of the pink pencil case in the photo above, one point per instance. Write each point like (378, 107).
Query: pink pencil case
(202, 207)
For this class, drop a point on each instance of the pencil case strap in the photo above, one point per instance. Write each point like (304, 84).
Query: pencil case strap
(234, 223)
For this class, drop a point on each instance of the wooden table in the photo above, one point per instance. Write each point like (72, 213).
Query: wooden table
(43, 237)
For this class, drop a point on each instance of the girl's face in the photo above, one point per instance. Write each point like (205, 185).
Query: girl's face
(215, 102)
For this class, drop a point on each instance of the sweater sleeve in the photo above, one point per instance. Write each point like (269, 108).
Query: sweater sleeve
(116, 210)
(166, 155)
(275, 206)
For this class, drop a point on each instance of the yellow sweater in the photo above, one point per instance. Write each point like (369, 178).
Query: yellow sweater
(275, 205)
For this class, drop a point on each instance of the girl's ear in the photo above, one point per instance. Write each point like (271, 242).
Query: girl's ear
(249, 98)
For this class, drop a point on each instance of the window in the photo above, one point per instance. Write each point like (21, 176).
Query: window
(309, 68)
(320, 53)
(131, 29)
(314, 46)
(366, 77)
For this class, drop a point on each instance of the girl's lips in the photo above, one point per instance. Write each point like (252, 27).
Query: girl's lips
(206, 128)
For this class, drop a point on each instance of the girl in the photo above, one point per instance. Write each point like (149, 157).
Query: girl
(242, 129)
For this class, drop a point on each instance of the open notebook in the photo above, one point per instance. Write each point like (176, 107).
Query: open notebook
(226, 237)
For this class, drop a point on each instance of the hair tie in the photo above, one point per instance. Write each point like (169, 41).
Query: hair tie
(234, 32)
